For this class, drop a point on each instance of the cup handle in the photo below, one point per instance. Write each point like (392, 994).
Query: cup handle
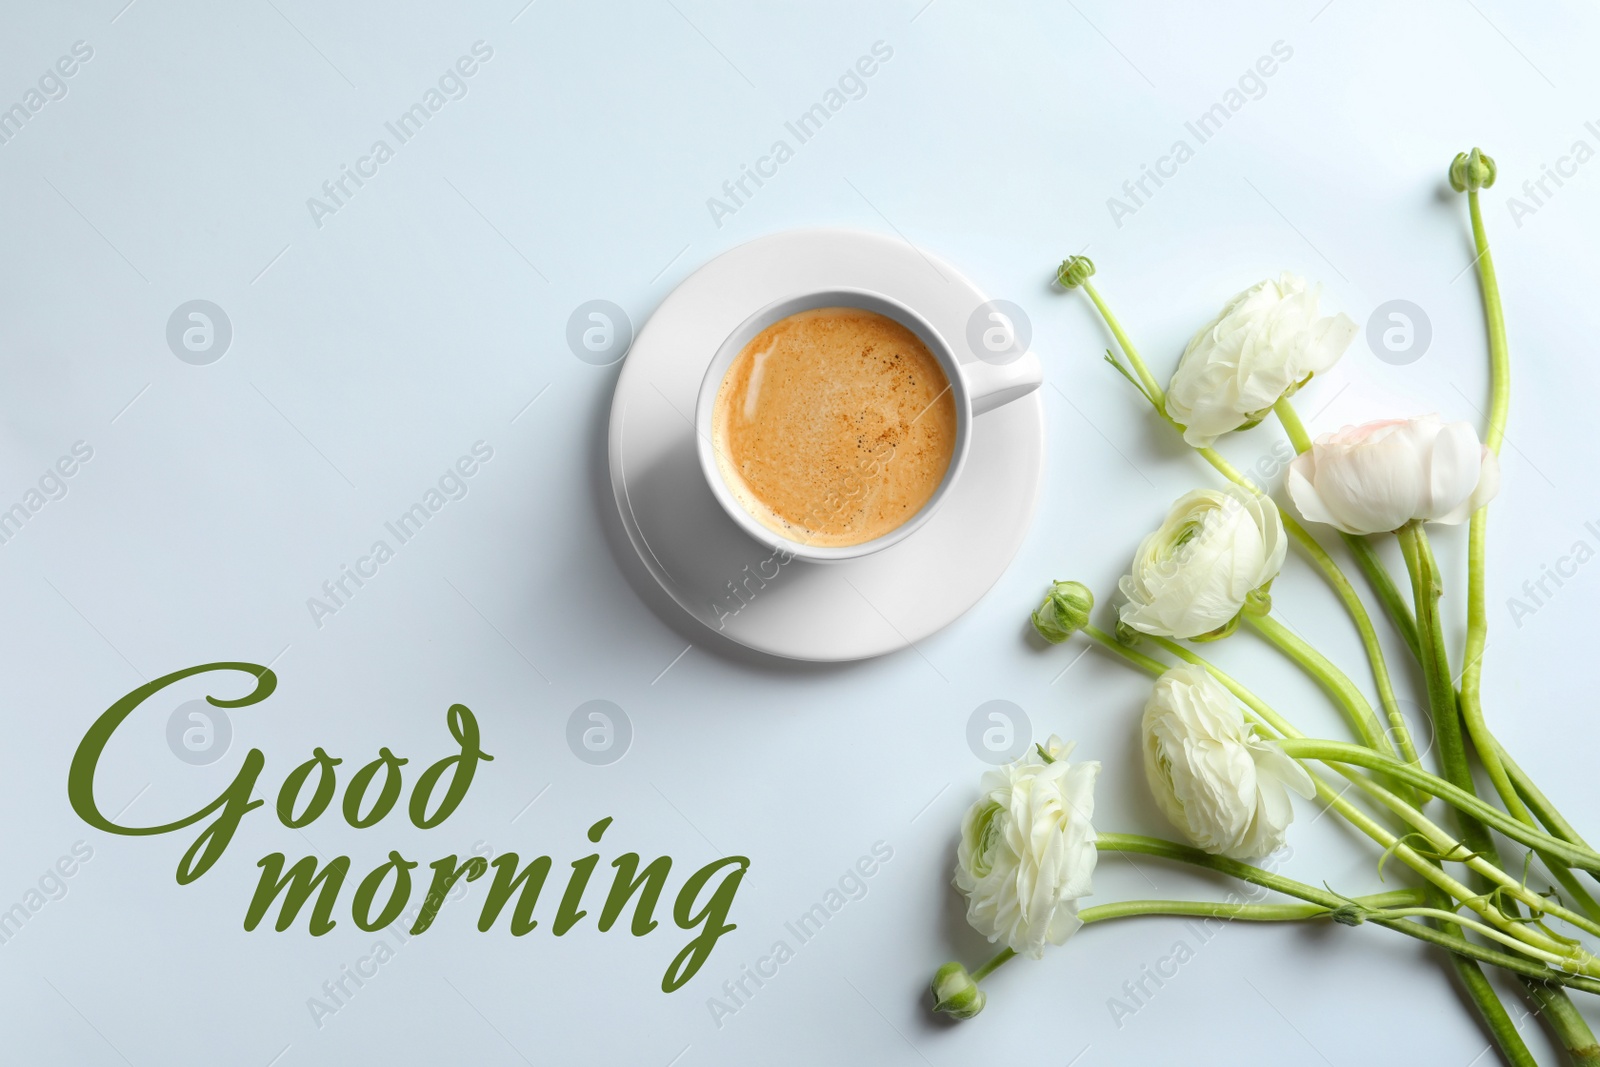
(993, 385)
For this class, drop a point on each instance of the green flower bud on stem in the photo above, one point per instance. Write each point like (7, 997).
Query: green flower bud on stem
(1471, 171)
(1064, 612)
(956, 993)
(1074, 271)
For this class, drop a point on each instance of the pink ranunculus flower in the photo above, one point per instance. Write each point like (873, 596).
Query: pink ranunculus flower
(1378, 477)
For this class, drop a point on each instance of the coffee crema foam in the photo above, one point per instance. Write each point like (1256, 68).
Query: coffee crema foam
(834, 426)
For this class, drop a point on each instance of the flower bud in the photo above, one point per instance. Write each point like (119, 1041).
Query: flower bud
(1074, 271)
(1064, 612)
(955, 993)
(1471, 170)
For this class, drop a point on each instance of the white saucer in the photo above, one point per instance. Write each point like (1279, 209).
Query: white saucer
(809, 611)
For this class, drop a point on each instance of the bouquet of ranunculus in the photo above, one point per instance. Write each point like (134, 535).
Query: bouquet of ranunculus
(1224, 766)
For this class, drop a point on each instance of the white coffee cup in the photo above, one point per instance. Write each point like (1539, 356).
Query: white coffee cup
(978, 386)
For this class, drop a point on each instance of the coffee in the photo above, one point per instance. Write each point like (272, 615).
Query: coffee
(834, 426)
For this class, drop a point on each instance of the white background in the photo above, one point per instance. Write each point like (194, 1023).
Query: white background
(371, 352)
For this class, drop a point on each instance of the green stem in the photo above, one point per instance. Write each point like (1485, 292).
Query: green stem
(1483, 929)
(1494, 320)
(1302, 537)
(1171, 850)
(1486, 867)
(1393, 600)
(1448, 716)
(1217, 909)
(1466, 952)
(1423, 571)
(1153, 390)
(1491, 1010)
(1488, 748)
(1441, 843)
(1264, 716)
(1154, 846)
(1569, 1024)
(1000, 958)
(1487, 1002)
(1343, 752)
(1138, 659)
(1557, 1009)
(1356, 708)
(1301, 440)
(1477, 538)
(1383, 909)
(1526, 792)
(1298, 437)
(1541, 805)
(1558, 826)
(1426, 589)
(1347, 596)
(1472, 671)
(1237, 688)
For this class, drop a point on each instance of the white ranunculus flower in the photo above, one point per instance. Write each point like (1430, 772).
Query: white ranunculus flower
(1027, 850)
(1266, 342)
(1224, 787)
(1191, 577)
(1377, 477)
